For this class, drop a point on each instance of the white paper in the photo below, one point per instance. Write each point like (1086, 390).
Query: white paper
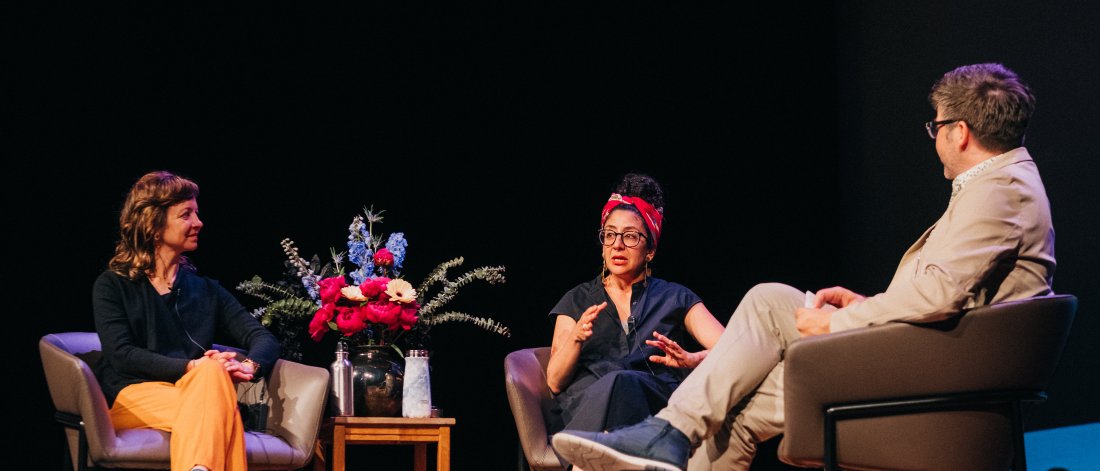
(809, 299)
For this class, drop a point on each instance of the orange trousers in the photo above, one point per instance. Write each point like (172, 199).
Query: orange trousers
(199, 410)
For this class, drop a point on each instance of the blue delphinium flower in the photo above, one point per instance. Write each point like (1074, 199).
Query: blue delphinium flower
(358, 236)
(365, 271)
(356, 252)
(310, 282)
(396, 245)
(357, 276)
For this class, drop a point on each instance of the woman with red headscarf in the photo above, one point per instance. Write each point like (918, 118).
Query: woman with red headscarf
(616, 354)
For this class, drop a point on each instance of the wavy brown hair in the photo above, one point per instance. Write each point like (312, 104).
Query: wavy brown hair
(144, 215)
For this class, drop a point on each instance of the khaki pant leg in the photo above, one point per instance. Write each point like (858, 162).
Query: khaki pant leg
(753, 344)
(755, 420)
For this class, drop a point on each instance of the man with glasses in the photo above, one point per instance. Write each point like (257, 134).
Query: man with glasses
(994, 243)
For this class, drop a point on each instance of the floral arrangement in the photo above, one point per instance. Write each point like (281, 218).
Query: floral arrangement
(370, 304)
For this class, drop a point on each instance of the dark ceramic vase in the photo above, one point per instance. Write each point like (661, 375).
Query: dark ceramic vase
(379, 380)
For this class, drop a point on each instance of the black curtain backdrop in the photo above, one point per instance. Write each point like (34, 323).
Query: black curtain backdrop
(788, 139)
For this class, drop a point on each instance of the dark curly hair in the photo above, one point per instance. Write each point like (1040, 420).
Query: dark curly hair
(645, 187)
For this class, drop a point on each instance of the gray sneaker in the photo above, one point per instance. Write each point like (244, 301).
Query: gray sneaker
(652, 445)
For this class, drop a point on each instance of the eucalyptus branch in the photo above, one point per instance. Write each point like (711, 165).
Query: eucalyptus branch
(438, 275)
(254, 288)
(485, 323)
(261, 289)
(492, 275)
(291, 309)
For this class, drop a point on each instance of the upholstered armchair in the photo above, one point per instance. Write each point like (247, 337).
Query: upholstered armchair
(529, 398)
(945, 395)
(295, 398)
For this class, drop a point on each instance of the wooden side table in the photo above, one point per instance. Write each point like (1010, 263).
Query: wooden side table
(387, 431)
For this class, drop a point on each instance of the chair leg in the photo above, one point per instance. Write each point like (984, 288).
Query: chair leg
(73, 421)
(82, 455)
(67, 458)
(521, 462)
(1019, 456)
(829, 458)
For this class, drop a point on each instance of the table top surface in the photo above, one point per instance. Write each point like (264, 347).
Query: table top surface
(345, 420)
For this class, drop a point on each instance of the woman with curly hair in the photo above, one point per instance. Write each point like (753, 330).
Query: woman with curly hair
(616, 354)
(157, 320)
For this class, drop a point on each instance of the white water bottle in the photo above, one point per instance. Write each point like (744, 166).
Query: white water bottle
(416, 398)
(342, 386)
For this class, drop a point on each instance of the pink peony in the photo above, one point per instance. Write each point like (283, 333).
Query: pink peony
(384, 312)
(350, 320)
(319, 325)
(330, 288)
(373, 287)
(408, 315)
(383, 258)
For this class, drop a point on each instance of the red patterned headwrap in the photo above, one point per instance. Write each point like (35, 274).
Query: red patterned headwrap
(650, 215)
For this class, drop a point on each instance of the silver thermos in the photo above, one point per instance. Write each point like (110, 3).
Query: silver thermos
(342, 385)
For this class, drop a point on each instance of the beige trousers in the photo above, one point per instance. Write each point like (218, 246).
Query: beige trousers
(734, 399)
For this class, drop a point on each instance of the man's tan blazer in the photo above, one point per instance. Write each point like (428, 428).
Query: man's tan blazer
(994, 243)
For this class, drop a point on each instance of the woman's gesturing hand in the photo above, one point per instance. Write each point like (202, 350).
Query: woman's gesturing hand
(675, 355)
(583, 330)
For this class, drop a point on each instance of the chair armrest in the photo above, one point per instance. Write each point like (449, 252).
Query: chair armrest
(525, 383)
(1010, 346)
(75, 390)
(297, 395)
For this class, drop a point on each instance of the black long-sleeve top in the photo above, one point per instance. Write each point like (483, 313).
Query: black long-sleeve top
(150, 337)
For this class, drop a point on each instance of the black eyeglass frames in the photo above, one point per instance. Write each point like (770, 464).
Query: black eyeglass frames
(933, 127)
(630, 238)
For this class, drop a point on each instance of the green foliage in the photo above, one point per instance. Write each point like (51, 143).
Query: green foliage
(438, 276)
(286, 314)
(290, 306)
(485, 323)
